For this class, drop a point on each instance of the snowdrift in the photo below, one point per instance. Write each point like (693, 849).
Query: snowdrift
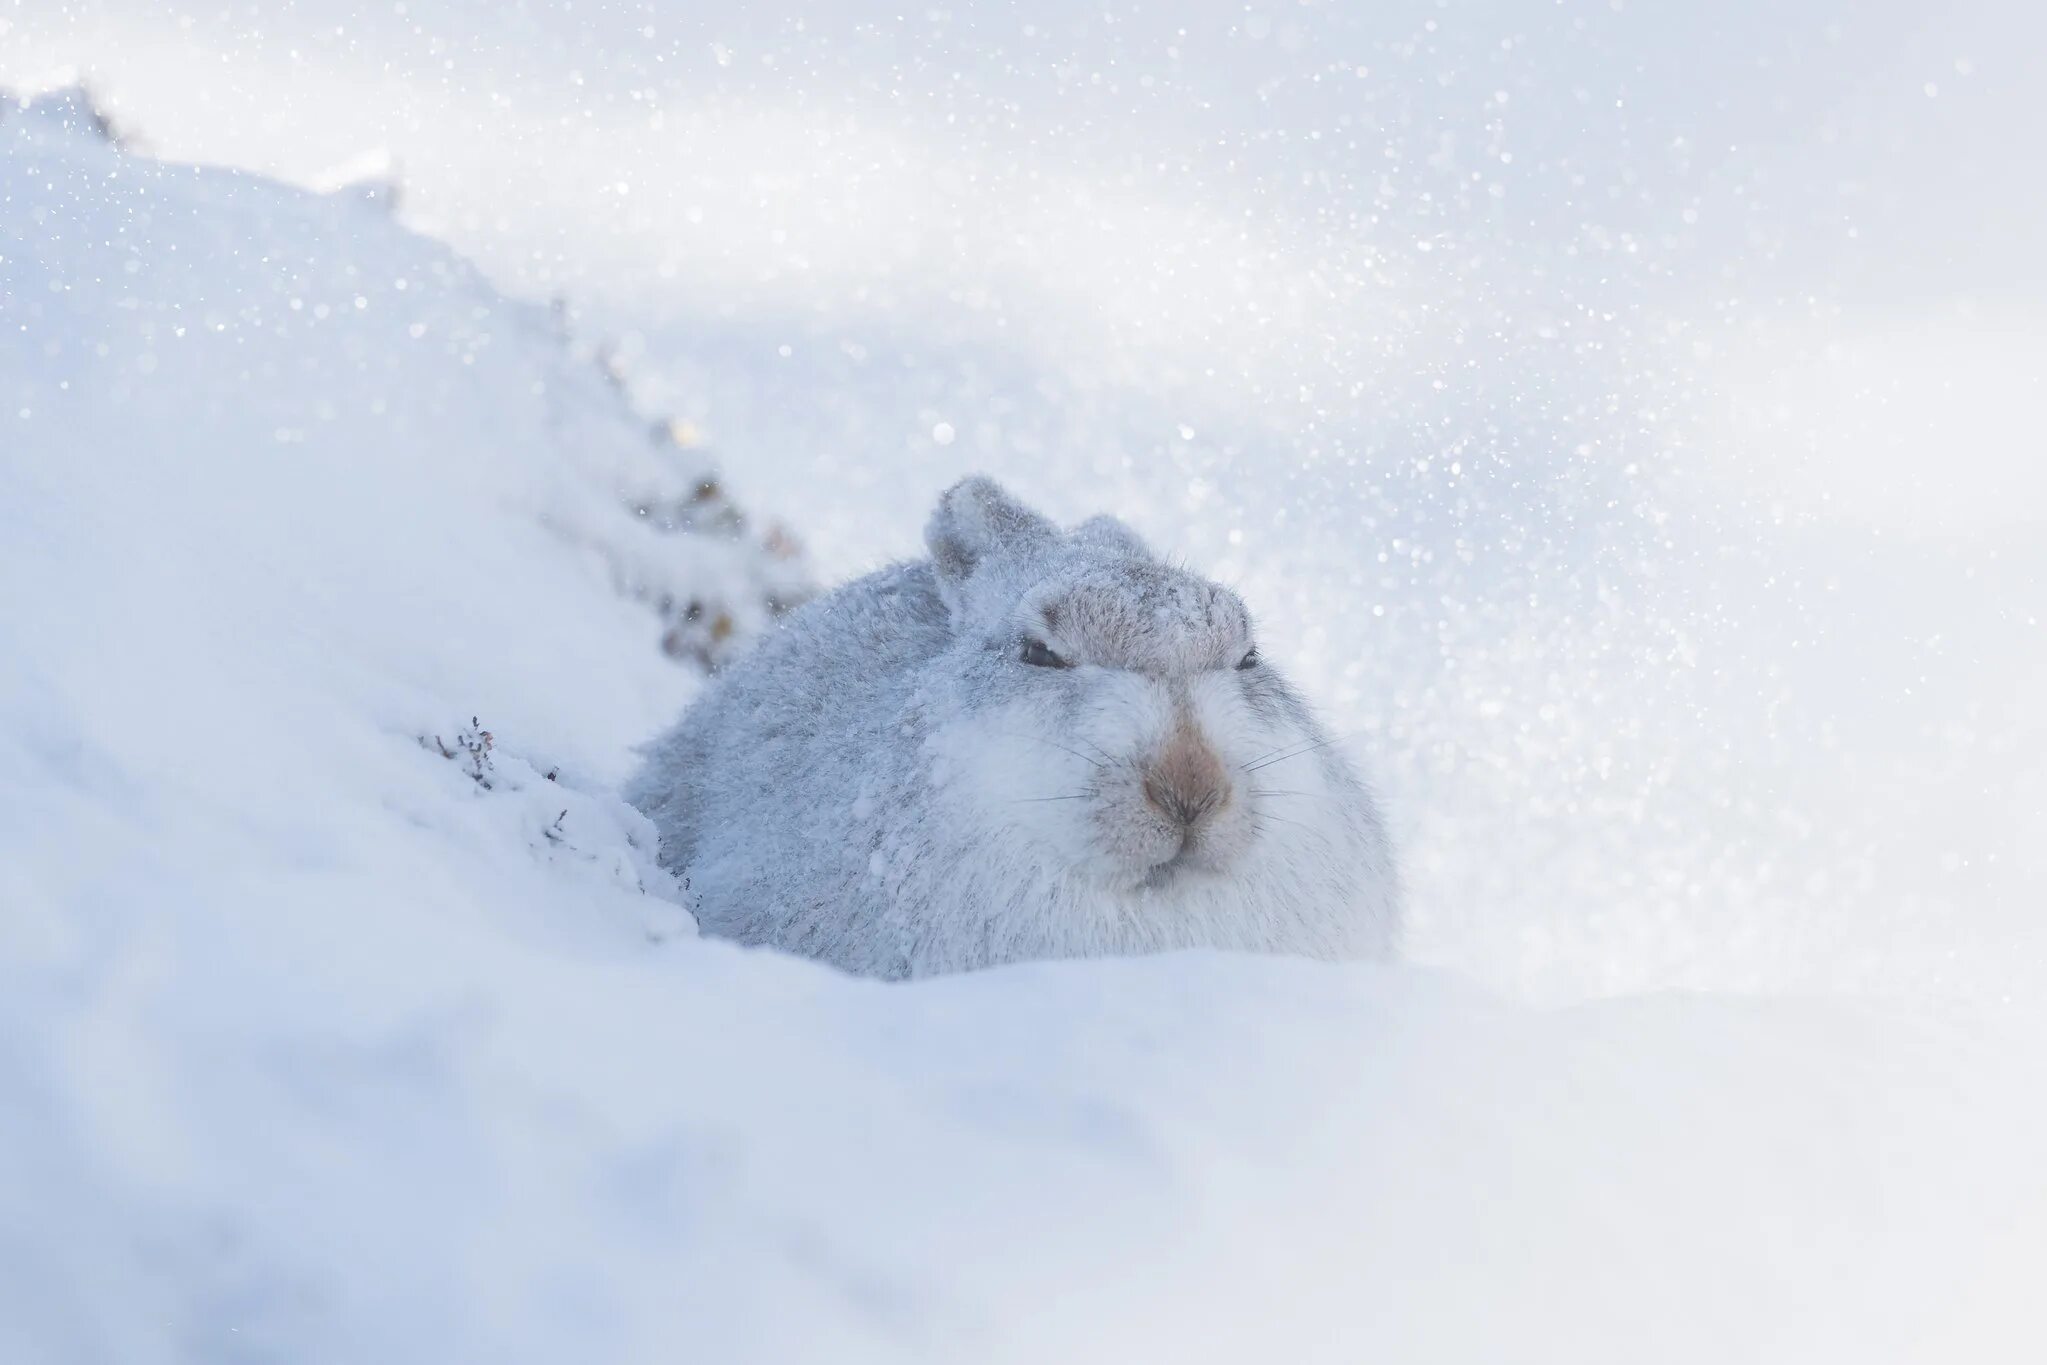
(344, 1014)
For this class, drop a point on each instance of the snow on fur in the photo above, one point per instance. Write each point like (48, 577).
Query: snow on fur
(890, 785)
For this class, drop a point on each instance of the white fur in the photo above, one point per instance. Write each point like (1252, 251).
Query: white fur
(884, 783)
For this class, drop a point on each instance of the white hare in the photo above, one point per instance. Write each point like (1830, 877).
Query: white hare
(1033, 744)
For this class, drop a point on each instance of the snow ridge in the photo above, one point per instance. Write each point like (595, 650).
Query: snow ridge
(345, 1016)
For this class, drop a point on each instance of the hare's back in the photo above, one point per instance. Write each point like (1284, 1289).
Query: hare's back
(797, 721)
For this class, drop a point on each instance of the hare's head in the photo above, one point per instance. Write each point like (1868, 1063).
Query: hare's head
(1113, 710)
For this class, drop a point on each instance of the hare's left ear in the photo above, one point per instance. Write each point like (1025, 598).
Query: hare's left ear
(974, 519)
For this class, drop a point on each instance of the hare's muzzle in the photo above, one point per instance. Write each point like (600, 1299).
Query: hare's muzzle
(1187, 782)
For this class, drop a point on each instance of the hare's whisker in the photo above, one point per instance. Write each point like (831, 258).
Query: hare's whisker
(1040, 739)
(1284, 751)
(1261, 757)
(1268, 815)
(1309, 749)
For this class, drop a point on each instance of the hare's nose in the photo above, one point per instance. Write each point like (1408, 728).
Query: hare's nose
(1187, 783)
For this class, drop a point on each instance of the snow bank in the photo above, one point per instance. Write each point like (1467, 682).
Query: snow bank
(1617, 416)
(332, 1030)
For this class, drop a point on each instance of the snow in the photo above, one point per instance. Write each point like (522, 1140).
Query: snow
(1618, 414)
(1724, 817)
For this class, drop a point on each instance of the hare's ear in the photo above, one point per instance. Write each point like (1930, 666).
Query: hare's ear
(974, 519)
(1110, 534)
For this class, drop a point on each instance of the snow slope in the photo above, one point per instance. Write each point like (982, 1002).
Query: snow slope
(313, 1046)
(1622, 416)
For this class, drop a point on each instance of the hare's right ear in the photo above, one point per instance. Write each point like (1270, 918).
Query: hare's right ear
(1107, 533)
(974, 519)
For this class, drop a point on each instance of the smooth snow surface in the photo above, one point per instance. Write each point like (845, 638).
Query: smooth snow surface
(1623, 424)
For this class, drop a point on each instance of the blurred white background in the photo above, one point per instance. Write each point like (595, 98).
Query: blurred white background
(1622, 415)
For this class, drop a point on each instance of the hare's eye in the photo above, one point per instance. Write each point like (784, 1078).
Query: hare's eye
(1036, 654)
(1250, 659)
